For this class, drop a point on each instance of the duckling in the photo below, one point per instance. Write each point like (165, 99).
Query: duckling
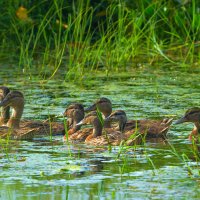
(104, 105)
(192, 115)
(118, 116)
(5, 112)
(111, 136)
(147, 128)
(75, 113)
(55, 127)
(28, 128)
(12, 130)
(154, 128)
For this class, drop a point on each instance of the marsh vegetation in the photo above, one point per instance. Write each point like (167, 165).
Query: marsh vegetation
(143, 56)
(79, 37)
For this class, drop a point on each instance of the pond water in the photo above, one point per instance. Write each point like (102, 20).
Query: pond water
(48, 168)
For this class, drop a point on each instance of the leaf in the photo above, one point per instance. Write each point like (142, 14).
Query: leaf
(73, 168)
(22, 13)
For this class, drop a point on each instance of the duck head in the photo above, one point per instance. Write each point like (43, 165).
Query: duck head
(103, 104)
(74, 113)
(3, 92)
(191, 115)
(93, 119)
(118, 116)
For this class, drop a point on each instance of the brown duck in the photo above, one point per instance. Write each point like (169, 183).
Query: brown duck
(110, 136)
(74, 113)
(153, 128)
(26, 129)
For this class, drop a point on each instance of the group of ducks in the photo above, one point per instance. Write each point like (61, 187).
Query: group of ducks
(109, 128)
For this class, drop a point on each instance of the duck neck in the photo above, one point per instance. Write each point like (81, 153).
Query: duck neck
(122, 125)
(97, 128)
(5, 115)
(107, 112)
(195, 131)
(78, 116)
(15, 118)
(107, 123)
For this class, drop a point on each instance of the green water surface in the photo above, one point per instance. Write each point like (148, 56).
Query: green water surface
(51, 169)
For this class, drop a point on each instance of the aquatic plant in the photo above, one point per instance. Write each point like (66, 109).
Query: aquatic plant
(79, 36)
(186, 159)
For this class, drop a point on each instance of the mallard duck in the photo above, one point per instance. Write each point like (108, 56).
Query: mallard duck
(111, 136)
(192, 115)
(154, 128)
(5, 111)
(104, 105)
(146, 128)
(25, 129)
(75, 113)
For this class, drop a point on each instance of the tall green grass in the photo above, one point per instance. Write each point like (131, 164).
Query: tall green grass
(76, 37)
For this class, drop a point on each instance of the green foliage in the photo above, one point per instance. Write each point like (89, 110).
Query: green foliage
(82, 35)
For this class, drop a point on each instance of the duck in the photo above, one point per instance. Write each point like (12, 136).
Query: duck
(153, 128)
(110, 136)
(191, 115)
(5, 111)
(142, 128)
(104, 105)
(74, 113)
(26, 129)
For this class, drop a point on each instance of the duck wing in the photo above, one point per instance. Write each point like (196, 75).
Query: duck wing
(152, 128)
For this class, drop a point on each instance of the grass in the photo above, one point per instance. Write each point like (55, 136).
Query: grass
(186, 159)
(78, 38)
(4, 145)
(67, 136)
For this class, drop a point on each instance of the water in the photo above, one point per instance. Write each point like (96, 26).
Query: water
(51, 169)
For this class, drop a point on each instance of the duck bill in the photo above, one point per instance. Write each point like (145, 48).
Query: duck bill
(80, 123)
(111, 118)
(91, 108)
(180, 121)
(107, 118)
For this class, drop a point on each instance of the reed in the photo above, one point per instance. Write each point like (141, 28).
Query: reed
(84, 36)
(187, 158)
